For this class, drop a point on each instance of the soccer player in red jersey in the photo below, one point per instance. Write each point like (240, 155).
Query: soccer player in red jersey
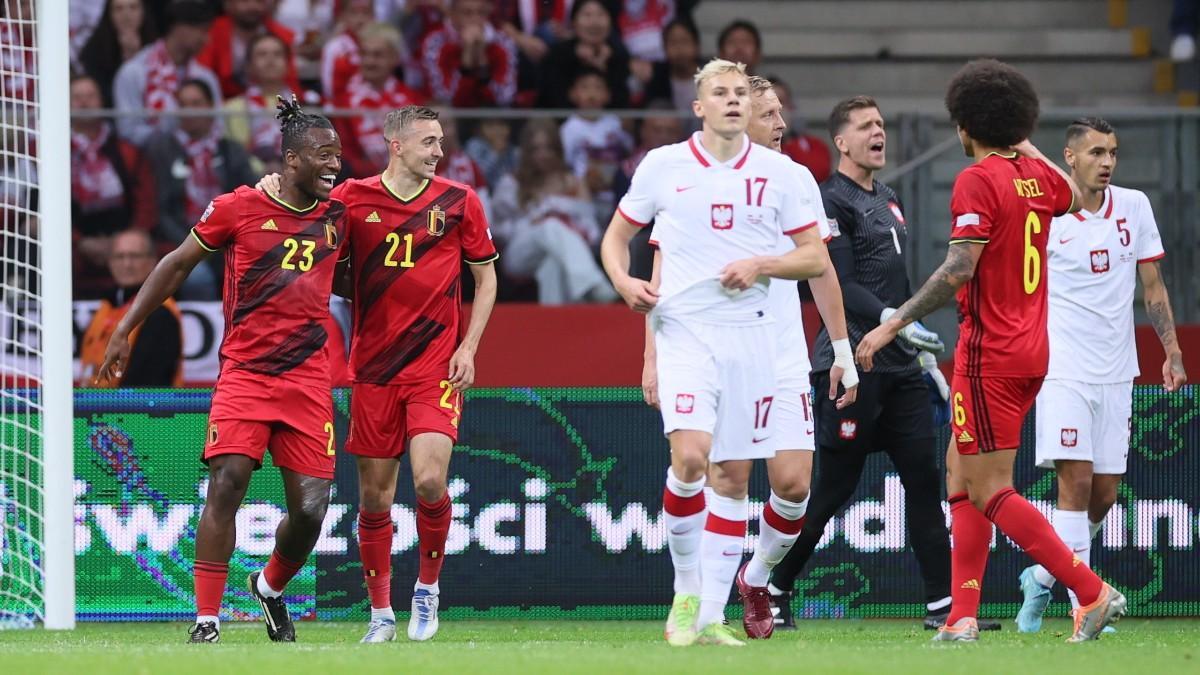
(273, 391)
(411, 353)
(1002, 206)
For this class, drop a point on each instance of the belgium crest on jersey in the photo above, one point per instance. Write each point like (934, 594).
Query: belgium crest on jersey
(436, 223)
(331, 235)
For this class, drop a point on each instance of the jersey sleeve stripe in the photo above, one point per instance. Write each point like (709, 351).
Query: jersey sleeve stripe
(653, 242)
(203, 244)
(798, 230)
(827, 239)
(631, 220)
(969, 240)
(1160, 256)
(483, 261)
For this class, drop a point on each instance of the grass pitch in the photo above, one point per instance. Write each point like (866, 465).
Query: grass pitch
(618, 648)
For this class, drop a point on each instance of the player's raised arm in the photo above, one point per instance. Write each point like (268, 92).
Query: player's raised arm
(614, 254)
(1028, 149)
(168, 275)
(956, 270)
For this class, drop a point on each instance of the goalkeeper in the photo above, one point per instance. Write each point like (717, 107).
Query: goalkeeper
(893, 412)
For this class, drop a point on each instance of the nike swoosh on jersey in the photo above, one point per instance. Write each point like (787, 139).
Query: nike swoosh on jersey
(759, 440)
(684, 189)
(1066, 241)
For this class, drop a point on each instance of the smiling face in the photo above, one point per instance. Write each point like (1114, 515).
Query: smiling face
(766, 119)
(315, 164)
(592, 23)
(419, 147)
(863, 140)
(1092, 158)
(723, 102)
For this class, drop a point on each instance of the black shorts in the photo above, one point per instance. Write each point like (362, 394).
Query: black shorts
(890, 408)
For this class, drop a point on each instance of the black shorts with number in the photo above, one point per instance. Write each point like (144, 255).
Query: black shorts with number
(890, 408)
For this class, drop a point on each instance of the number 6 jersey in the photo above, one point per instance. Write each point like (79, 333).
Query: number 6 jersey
(1005, 202)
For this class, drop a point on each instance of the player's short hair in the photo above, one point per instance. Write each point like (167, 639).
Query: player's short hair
(760, 85)
(189, 13)
(840, 116)
(294, 124)
(1080, 126)
(717, 67)
(399, 120)
(739, 24)
(993, 102)
(382, 31)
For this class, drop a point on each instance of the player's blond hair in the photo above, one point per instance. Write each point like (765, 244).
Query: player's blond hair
(399, 120)
(760, 85)
(717, 67)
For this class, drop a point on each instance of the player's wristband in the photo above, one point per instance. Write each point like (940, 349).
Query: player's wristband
(843, 358)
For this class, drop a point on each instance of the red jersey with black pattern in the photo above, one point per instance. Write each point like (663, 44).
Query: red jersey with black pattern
(279, 265)
(1005, 203)
(406, 256)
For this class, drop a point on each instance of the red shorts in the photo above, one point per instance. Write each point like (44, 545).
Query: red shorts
(383, 417)
(253, 413)
(987, 412)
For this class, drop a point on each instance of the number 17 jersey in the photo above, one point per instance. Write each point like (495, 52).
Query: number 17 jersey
(1006, 203)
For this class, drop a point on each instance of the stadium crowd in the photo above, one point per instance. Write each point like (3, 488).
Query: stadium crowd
(549, 185)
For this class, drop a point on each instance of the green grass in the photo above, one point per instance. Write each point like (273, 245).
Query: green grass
(619, 648)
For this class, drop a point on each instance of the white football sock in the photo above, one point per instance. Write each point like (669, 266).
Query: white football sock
(684, 528)
(201, 618)
(382, 613)
(432, 588)
(265, 589)
(774, 543)
(721, 548)
(1072, 528)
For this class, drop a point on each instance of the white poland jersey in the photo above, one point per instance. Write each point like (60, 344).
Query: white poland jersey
(1092, 277)
(708, 214)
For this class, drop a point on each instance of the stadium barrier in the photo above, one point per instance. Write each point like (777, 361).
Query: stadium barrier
(558, 513)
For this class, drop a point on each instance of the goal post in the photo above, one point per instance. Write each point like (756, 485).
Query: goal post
(57, 380)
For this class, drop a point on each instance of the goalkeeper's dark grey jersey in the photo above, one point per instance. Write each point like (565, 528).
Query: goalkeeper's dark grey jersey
(867, 250)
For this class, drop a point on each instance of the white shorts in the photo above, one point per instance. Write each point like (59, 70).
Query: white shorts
(792, 412)
(1084, 422)
(719, 379)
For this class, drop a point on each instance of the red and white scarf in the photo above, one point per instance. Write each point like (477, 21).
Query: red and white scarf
(202, 183)
(162, 78)
(95, 183)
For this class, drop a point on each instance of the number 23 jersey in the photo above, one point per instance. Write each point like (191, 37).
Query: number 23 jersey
(1005, 203)
(406, 255)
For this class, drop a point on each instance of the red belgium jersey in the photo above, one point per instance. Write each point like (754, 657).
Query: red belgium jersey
(406, 258)
(279, 263)
(1005, 202)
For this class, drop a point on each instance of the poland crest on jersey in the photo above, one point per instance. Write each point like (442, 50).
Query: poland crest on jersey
(722, 216)
(1100, 261)
(1070, 437)
(848, 430)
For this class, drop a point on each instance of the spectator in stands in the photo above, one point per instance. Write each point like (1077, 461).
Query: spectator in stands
(229, 40)
(156, 354)
(374, 90)
(312, 22)
(803, 147)
(82, 20)
(467, 62)
(194, 163)
(112, 188)
(340, 56)
(641, 25)
(456, 164)
(150, 79)
(652, 132)
(592, 47)
(672, 78)
(1185, 19)
(594, 142)
(492, 149)
(549, 231)
(123, 31)
(253, 125)
(741, 42)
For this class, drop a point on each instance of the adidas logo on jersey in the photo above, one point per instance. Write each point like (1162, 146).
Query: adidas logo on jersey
(374, 217)
(269, 225)
(971, 584)
(964, 437)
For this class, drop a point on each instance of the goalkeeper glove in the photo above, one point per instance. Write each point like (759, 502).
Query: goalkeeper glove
(939, 391)
(916, 334)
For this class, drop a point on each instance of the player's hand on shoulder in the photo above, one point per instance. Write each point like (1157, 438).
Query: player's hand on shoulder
(639, 294)
(462, 369)
(740, 274)
(269, 184)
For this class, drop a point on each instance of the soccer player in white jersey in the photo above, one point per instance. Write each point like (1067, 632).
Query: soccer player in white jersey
(719, 205)
(1084, 410)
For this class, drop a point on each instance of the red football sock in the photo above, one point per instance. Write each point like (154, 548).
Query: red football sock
(1030, 530)
(279, 571)
(210, 586)
(433, 524)
(375, 550)
(971, 534)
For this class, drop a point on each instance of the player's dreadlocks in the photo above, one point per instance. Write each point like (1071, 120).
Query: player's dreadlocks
(294, 123)
(993, 102)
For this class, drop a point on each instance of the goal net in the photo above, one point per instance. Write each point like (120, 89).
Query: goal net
(36, 468)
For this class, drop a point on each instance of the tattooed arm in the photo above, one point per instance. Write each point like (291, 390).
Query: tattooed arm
(956, 270)
(1158, 308)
